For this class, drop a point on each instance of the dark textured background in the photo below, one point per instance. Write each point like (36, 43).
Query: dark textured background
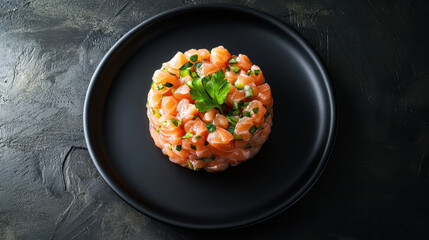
(376, 184)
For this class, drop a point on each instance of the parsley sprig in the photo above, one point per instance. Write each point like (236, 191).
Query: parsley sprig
(210, 92)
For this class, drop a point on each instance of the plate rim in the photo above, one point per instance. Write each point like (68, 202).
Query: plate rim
(309, 183)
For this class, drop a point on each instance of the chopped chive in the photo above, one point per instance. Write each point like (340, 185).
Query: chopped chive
(231, 129)
(159, 128)
(236, 137)
(197, 65)
(186, 65)
(235, 106)
(194, 75)
(247, 113)
(164, 123)
(252, 130)
(234, 113)
(248, 91)
(179, 148)
(266, 114)
(210, 127)
(249, 72)
(160, 86)
(228, 69)
(171, 73)
(233, 121)
(167, 84)
(197, 137)
(153, 111)
(195, 116)
(153, 83)
(185, 72)
(232, 61)
(255, 110)
(175, 122)
(170, 147)
(248, 146)
(236, 69)
(259, 127)
(240, 104)
(206, 143)
(193, 147)
(256, 72)
(190, 165)
(194, 58)
(187, 135)
(245, 104)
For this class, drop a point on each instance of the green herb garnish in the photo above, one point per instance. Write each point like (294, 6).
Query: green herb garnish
(179, 148)
(255, 110)
(197, 137)
(193, 147)
(170, 147)
(236, 69)
(187, 135)
(236, 137)
(194, 58)
(210, 127)
(247, 114)
(194, 75)
(228, 68)
(167, 84)
(197, 65)
(210, 92)
(159, 128)
(256, 72)
(186, 65)
(175, 122)
(231, 129)
(252, 130)
(233, 121)
(249, 72)
(160, 86)
(190, 165)
(232, 61)
(206, 143)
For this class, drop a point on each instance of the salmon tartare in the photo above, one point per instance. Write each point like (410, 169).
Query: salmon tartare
(209, 109)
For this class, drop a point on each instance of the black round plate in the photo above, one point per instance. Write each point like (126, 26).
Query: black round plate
(117, 133)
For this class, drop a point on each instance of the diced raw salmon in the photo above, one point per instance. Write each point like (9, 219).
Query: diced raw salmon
(178, 60)
(264, 95)
(219, 56)
(220, 121)
(181, 131)
(242, 128)
(243, 62)
(169, 105)
(161, 76)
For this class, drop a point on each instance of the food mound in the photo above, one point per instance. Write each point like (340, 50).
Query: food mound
(208, 109)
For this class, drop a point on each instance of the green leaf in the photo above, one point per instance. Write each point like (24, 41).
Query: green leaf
(256, 72)
(179, 148)
(167, 84)
(193, 147)
(255, 110)
(210, 92)
(252, 130)
(231, 129)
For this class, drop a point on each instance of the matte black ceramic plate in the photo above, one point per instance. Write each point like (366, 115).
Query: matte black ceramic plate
(116, 125)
